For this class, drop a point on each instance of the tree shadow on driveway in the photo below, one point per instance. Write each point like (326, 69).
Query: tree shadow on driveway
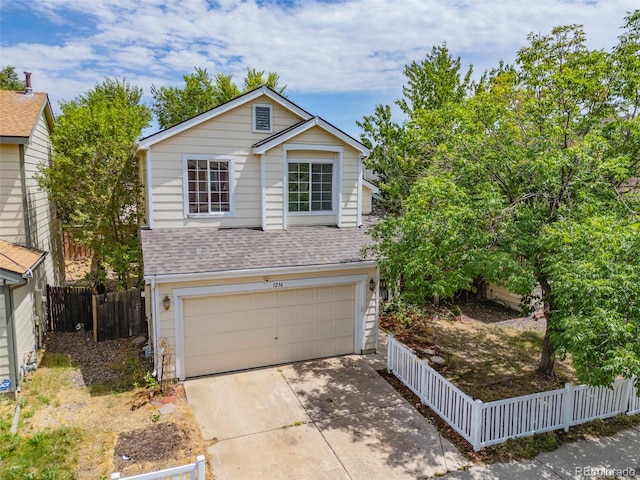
(372, 430)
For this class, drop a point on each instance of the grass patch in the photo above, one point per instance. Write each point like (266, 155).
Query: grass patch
(46, 455)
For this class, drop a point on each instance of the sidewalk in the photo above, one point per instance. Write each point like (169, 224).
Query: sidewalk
(614, 457)
(617, 456)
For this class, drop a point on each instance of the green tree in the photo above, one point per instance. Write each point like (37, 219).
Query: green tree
(9, 79)
(200, 93)
(93, 177)
(401, 152)
(537, 185)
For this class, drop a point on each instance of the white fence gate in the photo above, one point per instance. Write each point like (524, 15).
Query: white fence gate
(484, 424)
(192, 471)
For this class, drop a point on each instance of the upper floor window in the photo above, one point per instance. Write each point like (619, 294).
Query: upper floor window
(262, 118)
(209, 185)
(310, 187)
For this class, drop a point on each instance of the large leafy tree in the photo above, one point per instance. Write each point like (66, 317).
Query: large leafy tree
(9, 79)
(536, 184)
(402, 151)
(93, 177)
(201, 92)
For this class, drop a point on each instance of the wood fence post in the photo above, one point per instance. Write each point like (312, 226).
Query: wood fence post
(390, 352)
(567, 406)
(94, 313)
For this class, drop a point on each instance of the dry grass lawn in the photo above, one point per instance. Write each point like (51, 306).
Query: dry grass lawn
(57, 395)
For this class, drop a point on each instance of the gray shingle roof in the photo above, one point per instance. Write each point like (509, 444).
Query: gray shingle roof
(199, 250)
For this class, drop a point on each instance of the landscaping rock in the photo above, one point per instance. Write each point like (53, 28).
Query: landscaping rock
(437, 359)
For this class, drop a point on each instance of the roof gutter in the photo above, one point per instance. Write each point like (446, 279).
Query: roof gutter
(256, 272)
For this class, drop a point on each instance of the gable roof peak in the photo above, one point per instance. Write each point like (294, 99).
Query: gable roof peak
(247, 97)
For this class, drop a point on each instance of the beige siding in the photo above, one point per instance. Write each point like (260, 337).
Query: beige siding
(11, 209)
(4, 340)
(366, 200)
(44, 229)
(503, 296)
(24, 317)
(229, 135)
(166, 317)
(274, 192)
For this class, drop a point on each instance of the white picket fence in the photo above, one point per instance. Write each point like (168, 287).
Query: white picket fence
(484, 424)
(192, 471)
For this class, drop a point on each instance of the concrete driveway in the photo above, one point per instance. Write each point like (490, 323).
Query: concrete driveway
(324, 419)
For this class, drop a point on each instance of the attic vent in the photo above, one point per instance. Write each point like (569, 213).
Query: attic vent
(262, 118)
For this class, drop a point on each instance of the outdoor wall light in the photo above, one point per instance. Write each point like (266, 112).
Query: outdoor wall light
(372, 284)
(166, 302)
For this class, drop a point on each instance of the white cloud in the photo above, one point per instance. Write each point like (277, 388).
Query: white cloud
(351, 45)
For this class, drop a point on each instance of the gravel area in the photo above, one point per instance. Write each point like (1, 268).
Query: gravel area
(99, 363)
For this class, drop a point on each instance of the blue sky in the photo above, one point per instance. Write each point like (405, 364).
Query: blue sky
(338, 58)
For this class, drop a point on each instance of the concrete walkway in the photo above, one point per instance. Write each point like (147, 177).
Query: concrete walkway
(617, 456)
(324, 419)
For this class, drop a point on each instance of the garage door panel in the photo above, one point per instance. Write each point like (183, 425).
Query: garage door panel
(305, 296)
(267, 327)
(215, 323)
(343, 309)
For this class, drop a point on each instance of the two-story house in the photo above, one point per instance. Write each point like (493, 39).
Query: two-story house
(256, 217)
(31, 249)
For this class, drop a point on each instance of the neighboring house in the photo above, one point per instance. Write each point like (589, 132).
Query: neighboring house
(256, 214)
(31, 252)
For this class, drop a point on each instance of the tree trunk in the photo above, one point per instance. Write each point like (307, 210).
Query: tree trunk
(547, 358)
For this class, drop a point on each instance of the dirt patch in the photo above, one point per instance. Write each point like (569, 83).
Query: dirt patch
(489, 312)
(157, 442)
(100, 363)
(77, 272)
(491, 357)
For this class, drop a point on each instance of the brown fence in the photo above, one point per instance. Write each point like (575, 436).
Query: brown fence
(75, 251)
(69, 308)
(118, 315)
(110, 316)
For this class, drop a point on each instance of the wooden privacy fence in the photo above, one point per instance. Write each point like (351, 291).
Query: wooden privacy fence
(69, 308)
(485, 424)
(118, 315)
(74, 250)
(192, 471)
(110, 316)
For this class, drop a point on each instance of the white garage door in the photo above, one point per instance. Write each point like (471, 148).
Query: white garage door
(245, 330)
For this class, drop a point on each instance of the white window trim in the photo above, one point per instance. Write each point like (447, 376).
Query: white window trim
(333, 185)
(232, 186)
(253, 114)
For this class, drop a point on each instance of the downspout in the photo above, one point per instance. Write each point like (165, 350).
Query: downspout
(263, 191)
(149, 186)
(155, 322)
(25, 202)
(359, 202)
(339, 182)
